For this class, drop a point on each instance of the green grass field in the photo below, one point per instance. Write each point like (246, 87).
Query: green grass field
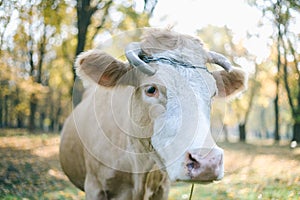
(29, 169)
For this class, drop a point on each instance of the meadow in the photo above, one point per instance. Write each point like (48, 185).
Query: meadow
(29, 169)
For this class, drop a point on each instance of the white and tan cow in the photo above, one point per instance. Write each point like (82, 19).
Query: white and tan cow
(145, 123)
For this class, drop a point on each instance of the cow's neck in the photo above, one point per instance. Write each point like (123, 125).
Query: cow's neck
(151, 185)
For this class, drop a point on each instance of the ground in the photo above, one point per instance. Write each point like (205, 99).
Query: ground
(29, 169)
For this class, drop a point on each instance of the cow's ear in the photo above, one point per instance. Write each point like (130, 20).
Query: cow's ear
(230, 83)
(99, 67)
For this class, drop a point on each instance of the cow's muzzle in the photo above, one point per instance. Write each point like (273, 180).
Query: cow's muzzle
(205, 165)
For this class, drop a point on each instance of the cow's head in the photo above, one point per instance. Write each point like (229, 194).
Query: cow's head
(171, 102)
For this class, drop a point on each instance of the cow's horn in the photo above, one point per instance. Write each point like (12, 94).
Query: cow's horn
(132, 52)
(216, 58)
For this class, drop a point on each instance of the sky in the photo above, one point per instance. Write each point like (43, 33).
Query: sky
(188, 16)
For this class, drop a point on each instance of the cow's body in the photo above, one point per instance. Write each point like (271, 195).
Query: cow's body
(135, 132)
(81, 164)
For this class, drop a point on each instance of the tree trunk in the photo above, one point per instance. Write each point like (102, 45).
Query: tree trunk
(242, 125)
(276, 106)
(296, 126)
(19, 114)
(20, 122)
(6, 111)
(33, 107)
(1, 113)
(225, 128)
(51, 126)
(242, 130)
(42, 119)
(84, 14)
(296, 132)
(276, 109)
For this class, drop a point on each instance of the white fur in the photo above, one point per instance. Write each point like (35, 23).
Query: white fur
(188, 101)
(86, 80)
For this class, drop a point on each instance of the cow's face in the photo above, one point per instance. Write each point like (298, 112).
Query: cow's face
(171, 108)
(177, 100)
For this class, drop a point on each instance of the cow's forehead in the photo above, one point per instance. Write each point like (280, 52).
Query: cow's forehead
(178, 78)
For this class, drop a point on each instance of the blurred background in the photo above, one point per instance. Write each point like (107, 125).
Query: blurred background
(39, 41)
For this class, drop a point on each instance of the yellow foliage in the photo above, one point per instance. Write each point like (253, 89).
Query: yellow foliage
(31, 87)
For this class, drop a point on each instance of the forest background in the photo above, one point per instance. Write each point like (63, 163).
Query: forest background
(39, 41)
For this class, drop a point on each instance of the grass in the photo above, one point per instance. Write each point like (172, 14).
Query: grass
(29, 169)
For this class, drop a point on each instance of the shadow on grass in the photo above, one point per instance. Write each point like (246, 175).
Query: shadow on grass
(23, 132)
(25, 175)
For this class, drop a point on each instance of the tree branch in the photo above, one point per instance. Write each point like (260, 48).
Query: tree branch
(103, 20)
(149, 6)
(252, 92)
(285, 79)
(295, 57)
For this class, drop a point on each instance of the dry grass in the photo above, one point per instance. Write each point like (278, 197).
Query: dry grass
(252, 172)
(29, 169)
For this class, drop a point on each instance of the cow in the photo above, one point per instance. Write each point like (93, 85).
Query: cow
(145, 123)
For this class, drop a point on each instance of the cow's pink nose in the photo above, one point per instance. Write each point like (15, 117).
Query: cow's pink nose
(205, 164)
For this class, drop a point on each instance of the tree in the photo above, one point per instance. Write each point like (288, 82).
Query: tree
(223, 42)
(5, 19)
(94, 16)
(36, 75)
(39, 31)
(28, 48)
(86, 9)
(281, 14)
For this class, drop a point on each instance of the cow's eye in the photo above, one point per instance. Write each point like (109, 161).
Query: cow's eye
(151, 91)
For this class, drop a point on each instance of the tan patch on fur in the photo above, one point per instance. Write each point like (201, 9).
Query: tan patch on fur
(118, 184)
(99, 67)
(156, 186)
(155, 41)
(229, 83)
(158, 40)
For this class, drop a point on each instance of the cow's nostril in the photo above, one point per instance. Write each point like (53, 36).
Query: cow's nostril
(192, 163)
(190, 166)
(207, 167)
(191, 158)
